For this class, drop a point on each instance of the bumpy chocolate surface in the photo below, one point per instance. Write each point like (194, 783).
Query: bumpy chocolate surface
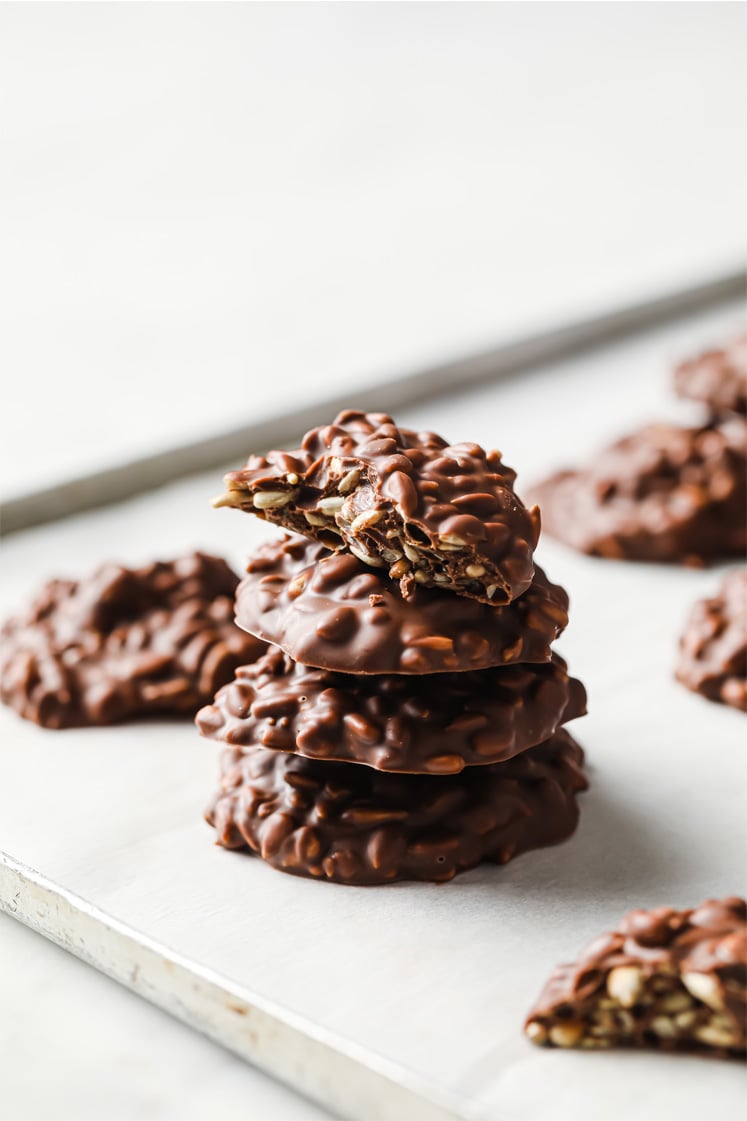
(434, 724)
(665, 493)
(425, 511)
(331, 611)
(718, 378)
(672, 980)
(124, 643)
(356, 825)
(713, 649)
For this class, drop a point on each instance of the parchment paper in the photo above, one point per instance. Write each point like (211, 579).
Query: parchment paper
(437, 978)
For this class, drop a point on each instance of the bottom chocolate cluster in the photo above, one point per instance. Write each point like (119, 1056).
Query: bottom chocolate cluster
(356, 825)
(672, 980)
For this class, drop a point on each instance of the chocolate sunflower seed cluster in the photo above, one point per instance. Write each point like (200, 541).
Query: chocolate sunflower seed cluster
(666, 493)
(407, 721)
(672, 980)
(124, 643)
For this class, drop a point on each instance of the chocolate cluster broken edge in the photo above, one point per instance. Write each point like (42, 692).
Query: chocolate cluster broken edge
(433, 724)
(675, 980)
(331, 611)
(355, 825)
(125, 642)
(427, 512)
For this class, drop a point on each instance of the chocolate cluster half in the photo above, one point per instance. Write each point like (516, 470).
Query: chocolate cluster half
(407, 721)
(673, 980)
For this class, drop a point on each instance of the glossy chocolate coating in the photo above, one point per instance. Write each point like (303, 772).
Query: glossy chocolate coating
(433, 724)
(664, 493)
(331, 611)
(427, 512)
(718, 378)
(356, 825)
(123, 643)
(667, 979)
(713, 649)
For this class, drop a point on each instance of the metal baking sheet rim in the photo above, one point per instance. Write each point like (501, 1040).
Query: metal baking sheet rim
(123, 481)
(313, 1061)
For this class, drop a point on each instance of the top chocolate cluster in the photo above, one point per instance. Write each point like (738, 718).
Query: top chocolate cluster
(432, 513)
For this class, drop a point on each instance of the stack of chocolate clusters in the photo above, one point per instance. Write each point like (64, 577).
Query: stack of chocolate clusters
(407, 720)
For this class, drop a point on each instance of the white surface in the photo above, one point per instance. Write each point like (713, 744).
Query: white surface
(208, 210)
(325, 1067)
(436, 978)
(108, 1054)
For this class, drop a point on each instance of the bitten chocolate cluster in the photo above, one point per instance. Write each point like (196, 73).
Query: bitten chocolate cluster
(407, 722)
(667, 979)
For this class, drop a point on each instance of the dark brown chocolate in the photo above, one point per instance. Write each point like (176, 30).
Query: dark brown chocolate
(665, 979)
(330, 611)
(434, 724)
(427, 512)
(356, 825)
(713, 649)
(718, 378)
(124, 643)
(677, 495)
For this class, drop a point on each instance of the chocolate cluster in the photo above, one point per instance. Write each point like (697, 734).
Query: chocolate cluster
(666, 492)
(407, 722)
(124, 643)
(717, 378)
(713, 649)
(675, 980)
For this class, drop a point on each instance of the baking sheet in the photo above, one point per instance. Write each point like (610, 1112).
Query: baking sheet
(425, 986)
(279, 425)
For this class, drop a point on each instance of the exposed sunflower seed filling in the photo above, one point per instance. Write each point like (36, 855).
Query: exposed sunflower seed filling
(430, 512)
(666, 979)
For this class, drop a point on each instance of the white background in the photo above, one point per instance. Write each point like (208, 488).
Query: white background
(208, 211)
